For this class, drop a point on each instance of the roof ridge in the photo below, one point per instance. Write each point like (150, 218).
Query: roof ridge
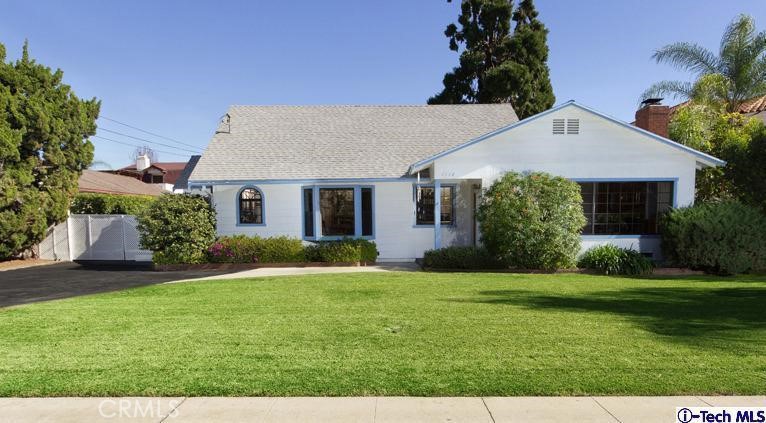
(369, 105)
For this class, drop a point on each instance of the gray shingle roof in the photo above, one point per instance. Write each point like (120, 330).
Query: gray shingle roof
(328, 142)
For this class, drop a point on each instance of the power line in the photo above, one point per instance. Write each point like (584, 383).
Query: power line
(147, 132)
(136, 145)
(150, 141)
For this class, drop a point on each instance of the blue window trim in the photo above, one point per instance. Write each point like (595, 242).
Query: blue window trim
(318, 213)
(415, 187)
(263, 206)
(675, 203)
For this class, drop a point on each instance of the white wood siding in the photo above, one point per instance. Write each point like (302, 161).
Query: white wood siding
(602, 150)
(396, 236)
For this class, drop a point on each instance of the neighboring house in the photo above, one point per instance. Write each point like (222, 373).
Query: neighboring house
(410, 177)
(182, 183)
(164, 174)
(108, 183)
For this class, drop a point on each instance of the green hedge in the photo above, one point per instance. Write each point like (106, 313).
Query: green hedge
(92, 203)
(724, 238)
(612, 260)
(245, 249)
(344, 251)
(178, 228)
(467, 258)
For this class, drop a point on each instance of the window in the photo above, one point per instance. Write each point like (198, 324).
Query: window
(250, 207)
(366, 211)
(336, 206)
(343, 212)
(625, 208)
(425, 205)
(308, 212)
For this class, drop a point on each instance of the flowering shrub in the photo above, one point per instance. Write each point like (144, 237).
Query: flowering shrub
(245, 249)
(532, 220)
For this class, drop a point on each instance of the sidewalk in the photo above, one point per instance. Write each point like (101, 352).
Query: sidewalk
(359, 409)
(292, 271)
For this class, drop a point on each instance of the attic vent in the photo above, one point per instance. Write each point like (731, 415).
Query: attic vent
(573, 126)
(558, 126)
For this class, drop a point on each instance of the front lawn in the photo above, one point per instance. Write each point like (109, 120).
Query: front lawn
(395, 334)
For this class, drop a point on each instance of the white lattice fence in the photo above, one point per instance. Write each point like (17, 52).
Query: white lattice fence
(99, 237)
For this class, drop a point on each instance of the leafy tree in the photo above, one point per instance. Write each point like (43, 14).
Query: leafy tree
(737, 73)
(727, 136)
(747, 171)
(43, 150)
(532, 220)
(499, 65)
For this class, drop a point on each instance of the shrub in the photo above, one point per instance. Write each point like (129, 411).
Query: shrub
(92, 203)
(244, 249)
(460, 258)
(178, 228)
(532, 221)
(344, 251)
(612, 260)
(725, 238)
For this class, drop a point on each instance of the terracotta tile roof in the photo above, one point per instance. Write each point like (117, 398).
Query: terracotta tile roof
(110, 183)
(754, 105)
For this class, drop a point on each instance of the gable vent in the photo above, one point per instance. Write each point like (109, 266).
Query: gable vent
(573, 126)
(558, 126)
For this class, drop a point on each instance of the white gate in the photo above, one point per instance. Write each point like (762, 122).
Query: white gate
(98, 237)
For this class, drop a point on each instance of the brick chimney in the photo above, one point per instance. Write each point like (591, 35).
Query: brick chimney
(653, 116)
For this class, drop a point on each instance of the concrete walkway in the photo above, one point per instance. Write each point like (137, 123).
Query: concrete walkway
(289, 271)
(360, 409)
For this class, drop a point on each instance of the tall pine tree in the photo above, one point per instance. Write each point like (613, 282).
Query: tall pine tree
(44, 148)
(498, 65)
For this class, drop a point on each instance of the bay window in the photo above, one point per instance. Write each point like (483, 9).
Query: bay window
(339, 212)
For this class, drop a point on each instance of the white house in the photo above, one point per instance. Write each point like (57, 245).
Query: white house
(328, 172)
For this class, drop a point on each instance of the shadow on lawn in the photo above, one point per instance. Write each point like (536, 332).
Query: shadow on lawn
(692, 315)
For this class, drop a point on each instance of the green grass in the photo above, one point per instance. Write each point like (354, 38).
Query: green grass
(395, 334)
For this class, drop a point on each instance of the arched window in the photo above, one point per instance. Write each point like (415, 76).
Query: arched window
(250, 206)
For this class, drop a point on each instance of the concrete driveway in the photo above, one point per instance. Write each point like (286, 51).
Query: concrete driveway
(64, 280)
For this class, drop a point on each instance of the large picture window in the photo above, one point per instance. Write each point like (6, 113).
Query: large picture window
(425, 205)
(250, 207)
(343, 212)
(625, 208)
(336, 206)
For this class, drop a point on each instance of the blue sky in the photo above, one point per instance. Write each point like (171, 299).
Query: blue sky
(173, 67)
